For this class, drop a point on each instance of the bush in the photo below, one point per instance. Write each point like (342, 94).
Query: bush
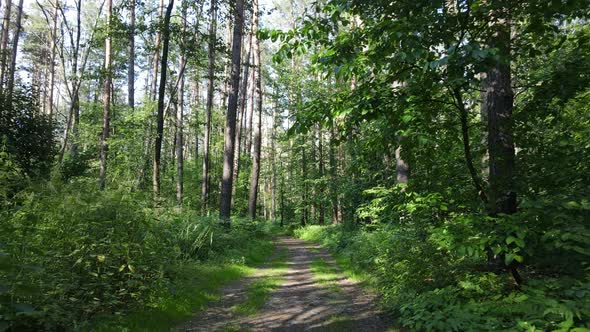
(70, 252)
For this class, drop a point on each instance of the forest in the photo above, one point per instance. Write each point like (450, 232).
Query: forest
(295, 165)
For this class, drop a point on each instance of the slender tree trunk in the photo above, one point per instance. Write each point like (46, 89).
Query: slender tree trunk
(242, 107)
(254, 180)
(77, 81)
(209, 105)
(53, 36)
(227, 70)
(161, 95)
(131, 63)
(273, 162)
(179, 121)
(15, 39)
(304, 179)
(157, 45)
(4, 42)
(250, 118)
(230, 123)
(333, 177)
(467, 146)
(322, 173)
(106, 99)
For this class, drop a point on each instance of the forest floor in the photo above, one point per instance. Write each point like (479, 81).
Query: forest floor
(299, 289)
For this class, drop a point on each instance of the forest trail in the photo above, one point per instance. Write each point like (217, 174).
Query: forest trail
(311, 295)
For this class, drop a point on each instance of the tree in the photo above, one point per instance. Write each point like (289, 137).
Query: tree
(131, 60)
(15, 38)
(230, 122)
(4, 42)
(53, 47)
(180, 114)
(161, 96)
(209, 106)
(254, 179)
(242, 107)
(106, 98)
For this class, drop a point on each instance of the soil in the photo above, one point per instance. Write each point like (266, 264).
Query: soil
(301, 303)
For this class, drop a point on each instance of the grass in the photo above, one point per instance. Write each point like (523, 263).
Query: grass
(258, 292)
(326, 275)
(193, 287)
(317, 234)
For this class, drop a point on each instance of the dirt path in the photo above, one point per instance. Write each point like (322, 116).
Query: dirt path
(302, 302)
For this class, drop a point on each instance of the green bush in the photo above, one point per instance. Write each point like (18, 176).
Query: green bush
(70, 252)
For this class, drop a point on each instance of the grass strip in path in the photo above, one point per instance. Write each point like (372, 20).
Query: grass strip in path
(258, 292)
(326, 275)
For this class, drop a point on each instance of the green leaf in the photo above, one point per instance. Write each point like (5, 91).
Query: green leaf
(510, 239)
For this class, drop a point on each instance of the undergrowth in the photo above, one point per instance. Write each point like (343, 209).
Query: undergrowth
(76, 258)
(427, 291)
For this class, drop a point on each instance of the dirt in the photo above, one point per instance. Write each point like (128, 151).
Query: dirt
(301, 303)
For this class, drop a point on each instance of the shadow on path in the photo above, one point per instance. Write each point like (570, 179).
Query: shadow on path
(299, 304)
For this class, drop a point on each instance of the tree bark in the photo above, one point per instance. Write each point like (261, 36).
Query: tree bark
(4, 42)
(53, 37)
(158, 41)
(179, 120)
(131, 63)
(258, 134)
(498, 103)
(209, 105)
(242, 107)
(230, 123)
(15, 39)
(274, 162)
(321, 218)
(334, 177)
(106, 99)
(161, 95)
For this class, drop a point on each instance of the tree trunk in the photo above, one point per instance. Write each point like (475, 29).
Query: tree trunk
(242, 107)
(250, 118)
(209, 105)
(322, 173)
(273, 162)
(78, 79)
(131, 63)
(258, 134)
(161, 95)
(4, 42)
(498, 103)
(304, 179)
(156, 63)
(333, 177)
(106, 99)
(15, 39)
(53, 36)
(179, 120)
(230, 123)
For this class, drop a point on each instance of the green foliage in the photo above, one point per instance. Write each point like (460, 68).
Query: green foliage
(70, 253)
(428, 290)
(26, 133)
